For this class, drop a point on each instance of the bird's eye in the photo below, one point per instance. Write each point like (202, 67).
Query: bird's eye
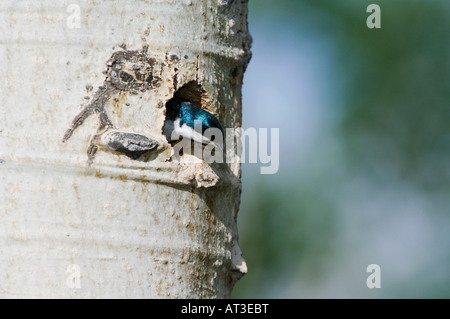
(126, 77)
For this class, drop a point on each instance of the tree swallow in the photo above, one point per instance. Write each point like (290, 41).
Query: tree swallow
(184, 119)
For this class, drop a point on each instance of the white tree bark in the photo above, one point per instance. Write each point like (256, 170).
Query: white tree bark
(150, 227)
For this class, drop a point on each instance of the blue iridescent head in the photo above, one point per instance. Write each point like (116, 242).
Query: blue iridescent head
(184, 119)
(188, 113)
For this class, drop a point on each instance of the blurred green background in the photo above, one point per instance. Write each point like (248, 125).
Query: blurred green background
(364, 118)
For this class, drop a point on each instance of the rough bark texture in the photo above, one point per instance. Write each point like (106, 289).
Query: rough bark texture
(149, 227)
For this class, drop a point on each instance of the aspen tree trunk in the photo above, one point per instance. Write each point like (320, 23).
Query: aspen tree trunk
(152, 227)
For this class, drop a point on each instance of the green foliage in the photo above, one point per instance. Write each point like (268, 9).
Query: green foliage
(391, 96)
(288, 231)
